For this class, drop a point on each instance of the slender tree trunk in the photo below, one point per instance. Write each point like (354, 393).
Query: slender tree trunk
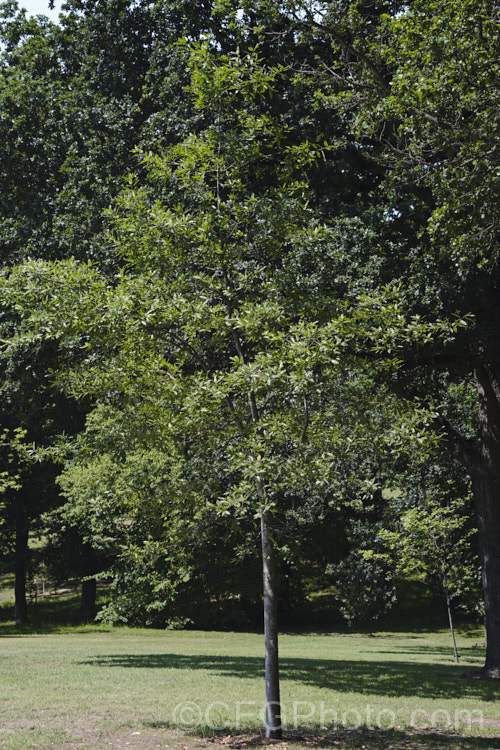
(87, 602)
(273, 706)
(485, 472)
(452, 629)
(269, 576)
(448, 607)
(20, 565)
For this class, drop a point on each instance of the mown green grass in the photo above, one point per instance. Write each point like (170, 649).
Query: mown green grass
(70, 686)
(210, 681)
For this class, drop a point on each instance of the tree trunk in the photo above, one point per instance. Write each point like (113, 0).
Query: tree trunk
(87, 602)
(20, 565)
(446, 589)
(485, 472)
(273, 707)
(452, 629)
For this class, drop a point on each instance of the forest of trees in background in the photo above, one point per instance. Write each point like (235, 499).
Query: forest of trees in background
(250, 292)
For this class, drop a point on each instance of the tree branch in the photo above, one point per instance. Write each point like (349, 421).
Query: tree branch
(303, 437)
(206, 368)
(466, 447)
(343, 42)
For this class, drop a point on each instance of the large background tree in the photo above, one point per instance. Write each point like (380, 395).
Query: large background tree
(418, 85)
(75, 98)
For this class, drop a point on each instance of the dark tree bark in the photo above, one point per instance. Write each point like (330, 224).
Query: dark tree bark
(20, 564)
(88, 599)
(273, 706)
(485, 472)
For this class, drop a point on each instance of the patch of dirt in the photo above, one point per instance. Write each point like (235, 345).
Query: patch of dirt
(129, 739)
(242, 740)
(88, 737)
(361, 739)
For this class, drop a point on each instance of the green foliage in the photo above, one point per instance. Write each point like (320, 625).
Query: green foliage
(242, 305)
(238, 385)
(16, 455)
(432, 542)
(366, 587)
(75, 98)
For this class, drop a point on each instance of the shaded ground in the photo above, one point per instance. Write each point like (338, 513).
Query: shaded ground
(147, 738)
(396, 679)
(358, 739)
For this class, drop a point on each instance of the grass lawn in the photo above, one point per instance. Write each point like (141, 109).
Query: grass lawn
(95, 687)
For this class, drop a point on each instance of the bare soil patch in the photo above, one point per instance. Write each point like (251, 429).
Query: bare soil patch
(148, 738)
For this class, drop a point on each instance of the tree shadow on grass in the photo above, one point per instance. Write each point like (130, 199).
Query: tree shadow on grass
(473, 651)
(392, 679)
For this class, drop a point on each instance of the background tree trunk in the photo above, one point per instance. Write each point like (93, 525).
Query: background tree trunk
(88, 599)
(486, 485)
(20, 564)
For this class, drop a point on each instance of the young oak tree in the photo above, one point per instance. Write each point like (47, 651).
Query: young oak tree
(255, 360)
(243, 365)
(214, 317)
